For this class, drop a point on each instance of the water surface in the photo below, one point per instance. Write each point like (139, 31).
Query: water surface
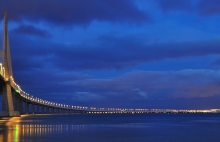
(112, 128)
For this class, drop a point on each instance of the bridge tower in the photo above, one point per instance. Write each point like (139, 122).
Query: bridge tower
(7, 100)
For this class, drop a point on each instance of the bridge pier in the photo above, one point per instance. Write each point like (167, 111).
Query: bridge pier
(21, 108)
(17, 100)
(7, 102)
(47, 109)
(43, 109)
(32, 106)
(37, 109)
(26, 107)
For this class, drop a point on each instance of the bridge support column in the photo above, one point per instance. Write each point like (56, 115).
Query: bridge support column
(21, 106)
(14, 100)
(37, 109)
(17, 99)
(43, 109)
(47, 110)
(7, 102)
(32, 106)
(26, 107)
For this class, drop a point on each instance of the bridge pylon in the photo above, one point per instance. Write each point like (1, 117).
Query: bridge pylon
(7, 98)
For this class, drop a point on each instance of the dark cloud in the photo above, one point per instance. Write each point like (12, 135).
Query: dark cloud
(128, 53)
(201, 7)
(216, 62)
(162, 87)
(184, 83)
(109, 52)
(210, 7)
(113, 53)
(31, 30)
(173, 5)
(74, 12)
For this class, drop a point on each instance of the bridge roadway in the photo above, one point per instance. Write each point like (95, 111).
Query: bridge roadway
(24, 103)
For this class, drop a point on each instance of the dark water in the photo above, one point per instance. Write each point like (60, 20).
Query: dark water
(112, 128)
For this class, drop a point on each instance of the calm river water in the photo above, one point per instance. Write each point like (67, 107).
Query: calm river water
(112, 128)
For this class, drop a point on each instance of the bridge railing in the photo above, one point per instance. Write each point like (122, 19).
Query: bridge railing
(35, 99)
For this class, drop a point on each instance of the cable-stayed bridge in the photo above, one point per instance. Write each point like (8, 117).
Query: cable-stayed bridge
(15, 101)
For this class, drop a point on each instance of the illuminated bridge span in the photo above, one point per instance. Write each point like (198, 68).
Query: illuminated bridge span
(15, 101)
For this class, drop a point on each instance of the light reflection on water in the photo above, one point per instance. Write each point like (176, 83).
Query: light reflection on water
(109, 128)
(19, 129)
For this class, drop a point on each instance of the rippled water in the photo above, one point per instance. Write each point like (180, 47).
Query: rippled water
(112, 128)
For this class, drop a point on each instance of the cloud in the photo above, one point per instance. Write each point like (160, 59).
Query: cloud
(128, 52)
(175, 5)
(86, 96)
(166, 84)
(161, 89)
(207, 8)
(31, 30)
(200, 7)
(74, 12)
(108, 52)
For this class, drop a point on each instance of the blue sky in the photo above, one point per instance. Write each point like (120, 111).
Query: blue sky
(117, 53)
